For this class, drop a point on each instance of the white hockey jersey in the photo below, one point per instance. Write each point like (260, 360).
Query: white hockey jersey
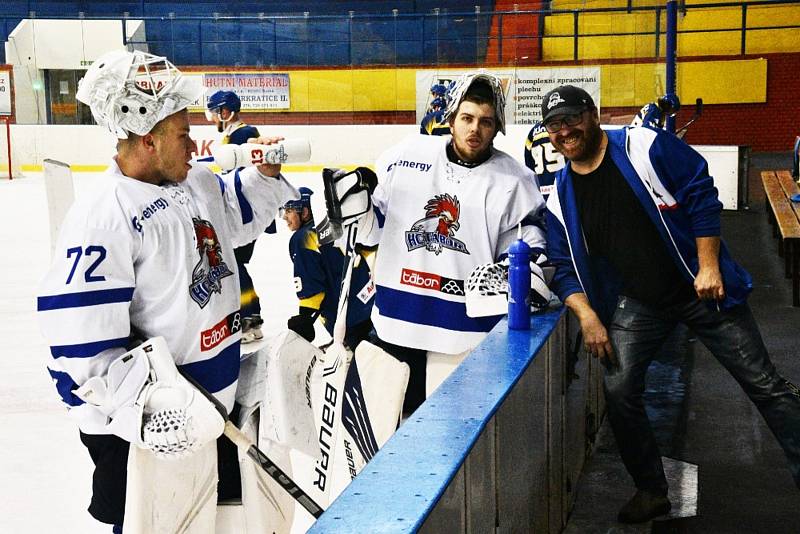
(436, 222)
(137, 260)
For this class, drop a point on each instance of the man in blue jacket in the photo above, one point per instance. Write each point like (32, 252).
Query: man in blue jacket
(633, 228)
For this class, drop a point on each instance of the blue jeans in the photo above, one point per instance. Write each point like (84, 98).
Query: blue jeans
(638, 330)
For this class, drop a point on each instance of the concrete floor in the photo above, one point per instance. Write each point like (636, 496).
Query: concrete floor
(701, 416)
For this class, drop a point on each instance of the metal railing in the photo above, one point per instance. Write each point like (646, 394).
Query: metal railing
(436, 38)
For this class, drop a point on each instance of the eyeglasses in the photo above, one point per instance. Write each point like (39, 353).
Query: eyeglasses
(555, 125)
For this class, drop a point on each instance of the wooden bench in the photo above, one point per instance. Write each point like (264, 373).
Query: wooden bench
(784, 216)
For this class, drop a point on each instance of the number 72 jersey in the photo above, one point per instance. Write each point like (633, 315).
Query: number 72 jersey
(542, 158)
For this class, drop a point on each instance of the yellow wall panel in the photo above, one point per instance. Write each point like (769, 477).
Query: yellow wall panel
(630, 84)
(711, 19)
(709, 43)
(723, 82)
(768, 41)
(769, 15)
(726, 40)
(352, 90)
(557, 48)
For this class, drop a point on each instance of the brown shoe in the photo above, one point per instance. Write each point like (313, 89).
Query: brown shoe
(644, 506)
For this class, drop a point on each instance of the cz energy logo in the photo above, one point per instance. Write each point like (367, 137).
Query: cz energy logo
(431, 281)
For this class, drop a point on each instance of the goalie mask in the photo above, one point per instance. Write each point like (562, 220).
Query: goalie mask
(458, 89)
(130, 92)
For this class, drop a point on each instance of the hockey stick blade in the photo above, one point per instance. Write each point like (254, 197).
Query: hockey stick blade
(270, 468)
(698, 110)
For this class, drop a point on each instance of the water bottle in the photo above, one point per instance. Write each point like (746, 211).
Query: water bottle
(519, 284)
(230, 156)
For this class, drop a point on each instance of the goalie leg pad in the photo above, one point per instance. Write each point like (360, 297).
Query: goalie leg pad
(171, 496)
(267, 506)
(440, 366)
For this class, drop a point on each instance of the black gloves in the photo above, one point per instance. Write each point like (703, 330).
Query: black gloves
(303, 323)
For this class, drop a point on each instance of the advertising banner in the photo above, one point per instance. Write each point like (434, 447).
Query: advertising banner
(524, 88)
(258, 91)
(5, 92)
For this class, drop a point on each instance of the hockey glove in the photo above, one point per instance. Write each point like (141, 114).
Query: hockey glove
(177, 419)
(487, 289)
(147, 402)
(303, 323)
(347, 200)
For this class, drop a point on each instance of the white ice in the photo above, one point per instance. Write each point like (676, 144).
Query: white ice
(45, 472)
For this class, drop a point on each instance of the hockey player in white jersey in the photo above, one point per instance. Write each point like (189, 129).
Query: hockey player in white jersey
(150, 253)
(443, 206)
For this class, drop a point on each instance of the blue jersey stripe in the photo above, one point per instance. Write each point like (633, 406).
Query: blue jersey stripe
(430, 311)
(244, 205)
(84, 298)
(380, 216)
(218, 372)
(65, 385)
(221, 185)
(87, 350)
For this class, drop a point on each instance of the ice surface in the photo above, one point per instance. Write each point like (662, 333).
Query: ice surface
(45, 472)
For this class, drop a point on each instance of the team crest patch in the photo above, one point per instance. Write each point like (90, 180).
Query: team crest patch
(210, 268)
(435, 231)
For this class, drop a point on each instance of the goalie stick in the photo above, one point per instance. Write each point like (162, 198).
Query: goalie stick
(243, 442)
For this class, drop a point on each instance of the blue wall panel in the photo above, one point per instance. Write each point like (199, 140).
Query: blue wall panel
(373, 36)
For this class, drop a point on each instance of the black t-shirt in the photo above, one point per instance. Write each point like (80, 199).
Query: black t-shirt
(618, 230)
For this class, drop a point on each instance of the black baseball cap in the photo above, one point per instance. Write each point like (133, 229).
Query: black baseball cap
(565, 100)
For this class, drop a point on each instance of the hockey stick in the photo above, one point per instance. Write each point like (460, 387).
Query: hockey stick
(243, 442)
(698, 110)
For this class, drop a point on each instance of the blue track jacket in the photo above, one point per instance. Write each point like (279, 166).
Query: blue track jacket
(671, 181)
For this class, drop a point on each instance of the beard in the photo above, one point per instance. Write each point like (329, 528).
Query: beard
(586, 147)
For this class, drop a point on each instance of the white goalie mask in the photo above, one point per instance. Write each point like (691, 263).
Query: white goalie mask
(455, 95)
(133, 91)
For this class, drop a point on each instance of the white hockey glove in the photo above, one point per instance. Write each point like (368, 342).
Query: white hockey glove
(347, 200)
(487, 289)
(151, 405)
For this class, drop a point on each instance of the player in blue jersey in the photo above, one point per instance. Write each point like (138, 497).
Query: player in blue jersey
(318, 273)
(542, 158)
(434, 123)
(223, 109)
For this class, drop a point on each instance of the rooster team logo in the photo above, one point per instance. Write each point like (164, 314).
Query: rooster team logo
(435, 231)
(210, 268)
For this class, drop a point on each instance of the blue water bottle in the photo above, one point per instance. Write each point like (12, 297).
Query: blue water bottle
(519, 284)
